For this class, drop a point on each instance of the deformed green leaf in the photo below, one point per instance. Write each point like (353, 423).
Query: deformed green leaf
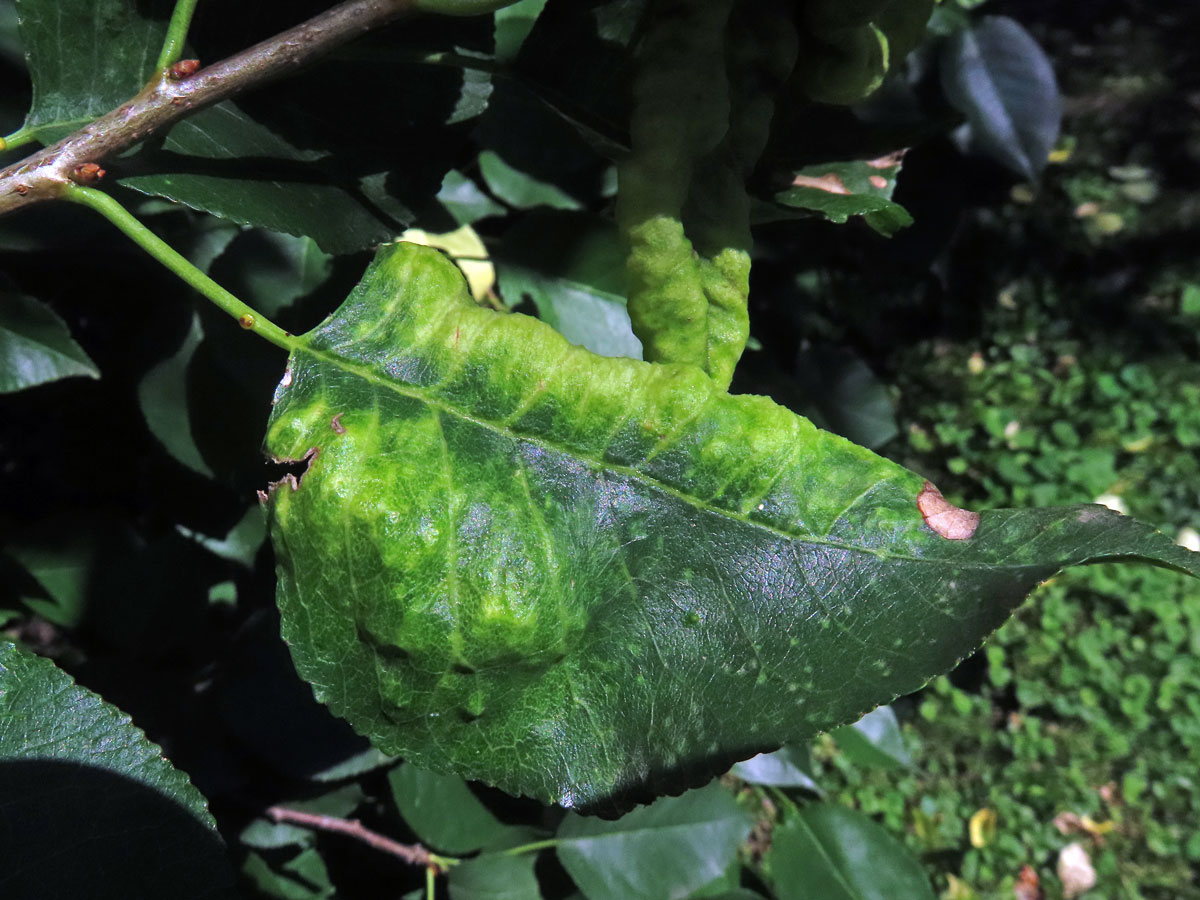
(835, 853)
(76, 776)
(35, 346)
(577, 577)
(667, 849)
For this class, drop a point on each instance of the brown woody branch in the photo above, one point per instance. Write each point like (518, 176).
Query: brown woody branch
(182, 90)
(414, 854)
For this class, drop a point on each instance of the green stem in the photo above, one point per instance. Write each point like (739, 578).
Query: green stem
(531, 848)
(430, 885)
(248, 318)
(18, 138)
(181, 20)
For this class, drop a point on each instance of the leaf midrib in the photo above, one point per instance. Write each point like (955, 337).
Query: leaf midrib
(370, 375)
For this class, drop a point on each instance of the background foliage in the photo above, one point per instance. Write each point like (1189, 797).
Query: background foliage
(1035, 340)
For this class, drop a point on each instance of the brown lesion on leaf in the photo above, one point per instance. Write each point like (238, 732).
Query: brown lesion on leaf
(336, 424)
(293, 478)
(829, 183)
(946, 519)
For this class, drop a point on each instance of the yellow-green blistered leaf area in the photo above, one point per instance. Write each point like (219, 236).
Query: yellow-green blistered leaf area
(590, 580)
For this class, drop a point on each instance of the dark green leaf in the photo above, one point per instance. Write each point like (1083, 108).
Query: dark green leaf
(587, 88)
(341, 802)
(575, 576)
(241, 544)
(163, 398)
(840, 190)
(513, 24)
(874, 741)
(667, 849)
(442, 810)
(572, 266)
(271, 271)
(996, 75)
(85, 58)
(843, 395)
(787, 767)
(366, 761)
(494, 877)
(35, 346)
(303, 877)
(223, 162)
(91, 808)
(465, 201)
(62, 568)
(518, 189)
(11, 49)
(835, 853)
(266, 835)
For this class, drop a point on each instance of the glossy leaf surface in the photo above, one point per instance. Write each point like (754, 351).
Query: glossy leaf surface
(223, 162)
(91, 808)
(835, 853)
(581, 578)
(85, 57)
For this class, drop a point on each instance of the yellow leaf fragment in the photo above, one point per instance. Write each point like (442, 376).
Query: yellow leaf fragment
(982, 827)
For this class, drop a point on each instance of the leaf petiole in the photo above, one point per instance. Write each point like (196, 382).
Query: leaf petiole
(18, 138)
(177, 29)
(133, 228)
(530, 848)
